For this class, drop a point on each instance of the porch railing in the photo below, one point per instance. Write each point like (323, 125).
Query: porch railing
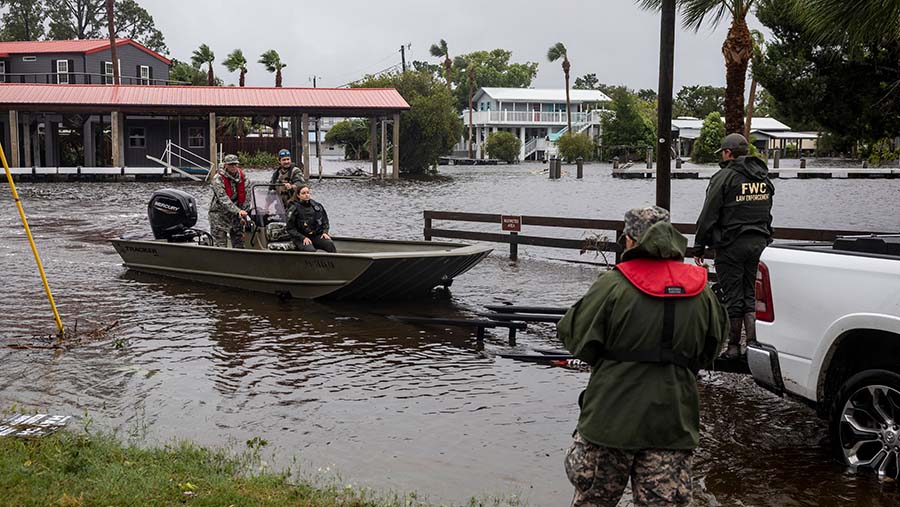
(79, 78)
(531, 117)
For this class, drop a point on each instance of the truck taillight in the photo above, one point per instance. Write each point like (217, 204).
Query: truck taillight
(765, 311)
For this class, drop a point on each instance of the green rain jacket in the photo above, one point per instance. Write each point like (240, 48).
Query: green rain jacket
(641, 405)
(738, 200)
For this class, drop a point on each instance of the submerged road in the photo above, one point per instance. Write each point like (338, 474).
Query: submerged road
(388, 405)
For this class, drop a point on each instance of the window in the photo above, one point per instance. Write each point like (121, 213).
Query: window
(137, 137)
(145, 75)
(108, 72)
(62, 71)
(196, 137)
(29, 58)
(2, 71)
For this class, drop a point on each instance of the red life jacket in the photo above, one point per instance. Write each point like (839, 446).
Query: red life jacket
(664, 278)
(668, 280)
(241, 188)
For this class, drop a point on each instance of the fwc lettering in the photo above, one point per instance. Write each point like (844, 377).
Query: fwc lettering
(757, 191)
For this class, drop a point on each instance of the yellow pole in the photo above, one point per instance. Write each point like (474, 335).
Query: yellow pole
(37, 257)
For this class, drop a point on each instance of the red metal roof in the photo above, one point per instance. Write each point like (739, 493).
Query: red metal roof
(107, 97)
(86, 46)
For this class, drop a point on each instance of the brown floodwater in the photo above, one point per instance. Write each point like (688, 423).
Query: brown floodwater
(338, 387)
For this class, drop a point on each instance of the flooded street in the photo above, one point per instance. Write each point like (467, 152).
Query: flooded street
(390, 405)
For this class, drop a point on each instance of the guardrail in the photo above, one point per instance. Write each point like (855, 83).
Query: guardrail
(597, 243)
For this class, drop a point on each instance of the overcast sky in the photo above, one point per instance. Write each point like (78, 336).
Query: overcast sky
(342, 40)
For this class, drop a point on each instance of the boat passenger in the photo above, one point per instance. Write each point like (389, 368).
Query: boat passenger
(229, 205)
(307, 223)
(288, 177)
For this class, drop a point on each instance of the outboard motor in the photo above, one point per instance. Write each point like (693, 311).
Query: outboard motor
(172, 213)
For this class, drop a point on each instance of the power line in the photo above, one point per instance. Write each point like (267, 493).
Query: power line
(396, 66)
(369, 66)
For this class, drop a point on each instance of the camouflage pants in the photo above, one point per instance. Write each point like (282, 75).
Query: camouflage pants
(222, 225)
(658, 476)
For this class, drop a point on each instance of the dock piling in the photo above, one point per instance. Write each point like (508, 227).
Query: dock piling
(580, 165)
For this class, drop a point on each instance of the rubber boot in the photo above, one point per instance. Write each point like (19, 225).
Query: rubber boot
(750, 328)
(734, 339)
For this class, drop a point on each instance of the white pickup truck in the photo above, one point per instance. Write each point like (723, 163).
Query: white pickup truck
(828, 331)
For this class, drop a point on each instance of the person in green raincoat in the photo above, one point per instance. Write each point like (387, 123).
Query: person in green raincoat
(646, 328)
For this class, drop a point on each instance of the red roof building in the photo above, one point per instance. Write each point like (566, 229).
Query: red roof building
(80, 46)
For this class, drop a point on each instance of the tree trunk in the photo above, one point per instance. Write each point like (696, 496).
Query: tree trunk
(750, 105)
(210, 77)
(243, 73)
(278, 78)
(566, 67)
(447, 65)
(111, 27)
(737, 50)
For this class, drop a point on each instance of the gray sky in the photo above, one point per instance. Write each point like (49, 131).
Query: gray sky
(343, 40)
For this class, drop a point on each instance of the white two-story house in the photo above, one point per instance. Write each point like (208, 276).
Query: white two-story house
(536, 116)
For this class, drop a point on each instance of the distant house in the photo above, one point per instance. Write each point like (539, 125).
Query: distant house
(766, 133)
(80, 62)
(534, 115)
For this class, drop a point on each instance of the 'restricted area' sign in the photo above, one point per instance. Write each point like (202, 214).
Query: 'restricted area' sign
(511, 223)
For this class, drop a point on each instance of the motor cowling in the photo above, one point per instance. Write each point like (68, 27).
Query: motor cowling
(172, 213)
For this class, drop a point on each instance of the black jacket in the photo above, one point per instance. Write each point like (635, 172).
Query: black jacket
(738, 200)
(307, 219)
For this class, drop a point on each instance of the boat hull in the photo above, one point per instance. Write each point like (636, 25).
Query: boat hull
(364, 269)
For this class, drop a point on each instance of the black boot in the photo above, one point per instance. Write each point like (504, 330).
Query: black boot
(734, 339)
(750, 327)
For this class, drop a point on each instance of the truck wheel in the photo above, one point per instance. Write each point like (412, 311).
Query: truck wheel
(865, 423)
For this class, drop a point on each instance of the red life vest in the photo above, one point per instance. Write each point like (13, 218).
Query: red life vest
(241, 188)
(664, 278)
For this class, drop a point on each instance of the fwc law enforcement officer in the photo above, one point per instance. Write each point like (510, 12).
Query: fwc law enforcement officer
(229, 205)
(307, 223)
(736, 222)
(645, 328)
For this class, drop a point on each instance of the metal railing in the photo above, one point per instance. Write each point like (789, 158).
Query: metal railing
(532, 117)
(595, 242)
(80, 78)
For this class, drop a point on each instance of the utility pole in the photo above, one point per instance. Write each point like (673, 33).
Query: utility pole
(403, 56)
(318, 151)
(111, 26)
(664, 132)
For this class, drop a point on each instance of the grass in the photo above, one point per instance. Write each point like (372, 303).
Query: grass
(69, 469)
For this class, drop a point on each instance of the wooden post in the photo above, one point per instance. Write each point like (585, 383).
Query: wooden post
(615, 163)
(90, 152)
(396, 174)
(383, 150)
(14, 138)
(664, 109)
(427, 227)
(802, 163)
(213, 154)
(649, 158)
(50, 142)
(513, 246)
(114, 137)
(26, 139)
(777, 159)
(304, 125)
(580, 164)
(373, 145)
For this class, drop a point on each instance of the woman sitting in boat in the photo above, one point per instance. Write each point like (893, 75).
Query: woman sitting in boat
(307, 223)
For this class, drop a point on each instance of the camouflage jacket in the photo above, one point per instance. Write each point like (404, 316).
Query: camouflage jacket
(222, 204)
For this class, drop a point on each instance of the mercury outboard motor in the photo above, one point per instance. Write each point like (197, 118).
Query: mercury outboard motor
(172, 213)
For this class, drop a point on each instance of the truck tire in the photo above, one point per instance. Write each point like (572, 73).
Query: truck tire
(865, 423)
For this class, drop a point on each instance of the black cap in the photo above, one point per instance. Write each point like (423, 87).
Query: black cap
(733, 142)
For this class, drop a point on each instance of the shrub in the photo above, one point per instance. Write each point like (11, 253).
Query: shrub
(504, 146)
(572, 146)
(259, 160)
(711, 134)
(353, 134)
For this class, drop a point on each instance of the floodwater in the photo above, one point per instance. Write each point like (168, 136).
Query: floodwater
(391, 406)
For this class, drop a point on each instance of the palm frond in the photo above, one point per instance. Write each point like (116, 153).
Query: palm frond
(855, 21)
(695, 12)
(556, 52)
(235, 61)
(202, 55)
(271, 61)
(439, 49)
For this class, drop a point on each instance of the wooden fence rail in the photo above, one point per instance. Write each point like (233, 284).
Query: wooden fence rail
(588, 224)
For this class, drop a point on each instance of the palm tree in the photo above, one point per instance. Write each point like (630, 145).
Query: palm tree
(737, 48)
(237, 61)
(758, 53)
(556, 52)
(203, 55)
(440, 50)
(272, 62)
